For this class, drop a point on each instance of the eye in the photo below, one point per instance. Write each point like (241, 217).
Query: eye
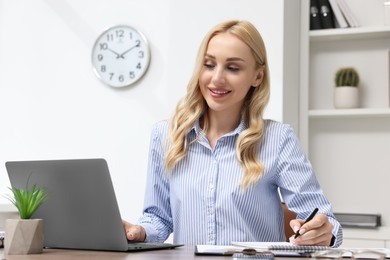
(209, 65)
(233, 68)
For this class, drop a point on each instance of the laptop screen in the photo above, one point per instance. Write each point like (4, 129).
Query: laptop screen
(81, 211)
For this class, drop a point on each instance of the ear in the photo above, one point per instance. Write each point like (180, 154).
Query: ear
(259, 78)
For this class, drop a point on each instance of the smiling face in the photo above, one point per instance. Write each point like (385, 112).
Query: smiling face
(229, 71)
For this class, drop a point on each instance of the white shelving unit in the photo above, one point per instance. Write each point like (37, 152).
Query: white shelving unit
(358, 33)
(349, 113)
(349, 148)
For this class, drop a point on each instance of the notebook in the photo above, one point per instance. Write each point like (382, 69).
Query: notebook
(277, 248)
(280, 246)
(81, 211)
(263, 250)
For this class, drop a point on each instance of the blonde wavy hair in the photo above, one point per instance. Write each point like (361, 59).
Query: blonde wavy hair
(193, 106)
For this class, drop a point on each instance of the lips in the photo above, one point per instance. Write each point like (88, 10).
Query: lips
(219, 92)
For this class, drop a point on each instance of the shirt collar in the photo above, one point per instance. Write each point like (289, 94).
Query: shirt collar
(241, 127)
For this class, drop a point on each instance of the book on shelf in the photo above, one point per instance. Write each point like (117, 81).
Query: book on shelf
(2, 235)
(348, 14)
(326, 14)
(315, 20)
(339, 18)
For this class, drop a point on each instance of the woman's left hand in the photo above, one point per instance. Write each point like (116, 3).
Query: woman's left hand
(317, 231)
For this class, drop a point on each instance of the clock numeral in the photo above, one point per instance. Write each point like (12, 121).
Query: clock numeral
(103, 46)
(111, 75)
(140, 54)
(120, 33)
(110, 37)
(121, 78)
(137, 43)
(100, 57)
(132, 74)
(139, 66)
(103, 68)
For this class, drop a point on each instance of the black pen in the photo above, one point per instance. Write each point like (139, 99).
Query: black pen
(307, 220)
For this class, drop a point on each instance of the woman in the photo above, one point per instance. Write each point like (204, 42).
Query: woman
(214, 170)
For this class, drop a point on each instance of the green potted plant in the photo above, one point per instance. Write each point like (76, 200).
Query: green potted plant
(25, 235)
(346, 93)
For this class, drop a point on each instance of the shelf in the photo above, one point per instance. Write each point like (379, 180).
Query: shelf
(350, 33)
(349, 113)
(340, 142)
(381, 233)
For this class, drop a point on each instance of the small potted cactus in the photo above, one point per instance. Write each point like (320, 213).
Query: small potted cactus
(346, 93)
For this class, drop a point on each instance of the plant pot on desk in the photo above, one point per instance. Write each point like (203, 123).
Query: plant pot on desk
(23, 236)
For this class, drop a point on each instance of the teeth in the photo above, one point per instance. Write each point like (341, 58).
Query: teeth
(219, 92)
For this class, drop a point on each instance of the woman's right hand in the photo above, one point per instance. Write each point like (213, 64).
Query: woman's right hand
(134, 233)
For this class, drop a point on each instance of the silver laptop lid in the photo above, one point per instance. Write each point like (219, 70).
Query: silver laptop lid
(81, 211)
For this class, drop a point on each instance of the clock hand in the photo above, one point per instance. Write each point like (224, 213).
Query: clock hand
(117, 54)
(121, 55)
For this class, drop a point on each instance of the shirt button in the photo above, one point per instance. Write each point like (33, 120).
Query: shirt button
(211, 237)
(211, 186)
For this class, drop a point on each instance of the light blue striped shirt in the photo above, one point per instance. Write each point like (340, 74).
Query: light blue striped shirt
(202, 202)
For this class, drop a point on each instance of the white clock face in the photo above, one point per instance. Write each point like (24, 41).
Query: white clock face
(120, 56)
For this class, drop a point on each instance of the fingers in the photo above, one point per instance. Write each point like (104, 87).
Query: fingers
(317, 231)
(134, 232)
(296, 224)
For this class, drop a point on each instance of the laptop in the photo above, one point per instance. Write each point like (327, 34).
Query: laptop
(81, 211)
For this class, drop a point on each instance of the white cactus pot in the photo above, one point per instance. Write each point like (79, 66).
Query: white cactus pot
(346, 97)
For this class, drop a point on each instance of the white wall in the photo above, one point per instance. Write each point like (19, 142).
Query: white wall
(52, 106)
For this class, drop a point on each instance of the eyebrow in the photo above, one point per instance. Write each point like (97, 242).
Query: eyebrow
(228, 59)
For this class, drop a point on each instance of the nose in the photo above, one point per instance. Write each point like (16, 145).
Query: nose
(218, 78)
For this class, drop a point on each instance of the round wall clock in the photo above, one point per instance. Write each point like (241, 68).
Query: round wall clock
(120, 56)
